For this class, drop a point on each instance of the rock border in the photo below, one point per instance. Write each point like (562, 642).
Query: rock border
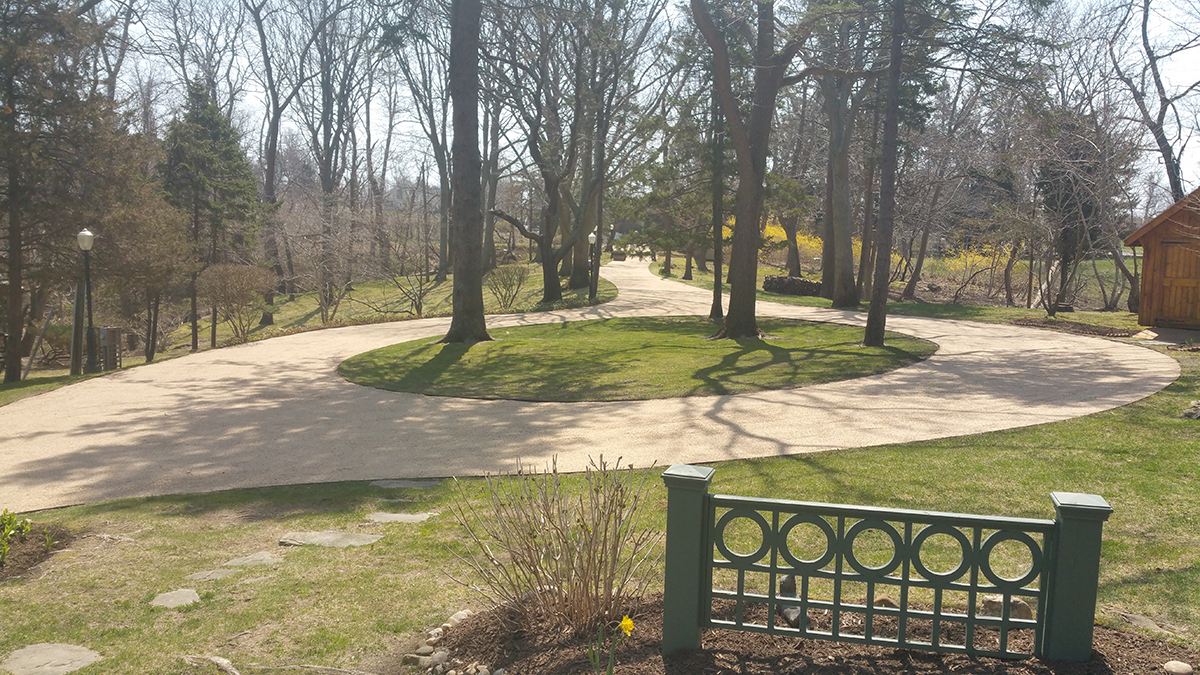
(441, 662)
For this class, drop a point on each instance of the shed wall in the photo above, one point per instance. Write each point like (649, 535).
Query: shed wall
(1171, 273)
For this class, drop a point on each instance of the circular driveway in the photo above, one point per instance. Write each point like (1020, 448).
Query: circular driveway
(276, 412)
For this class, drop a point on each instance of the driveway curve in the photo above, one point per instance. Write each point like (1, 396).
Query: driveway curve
(276, 412)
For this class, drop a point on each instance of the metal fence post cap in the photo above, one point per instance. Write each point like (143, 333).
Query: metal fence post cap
(1082, 506)
(688, 477)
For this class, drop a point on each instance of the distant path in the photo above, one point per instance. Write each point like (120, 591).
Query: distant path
(276, 412)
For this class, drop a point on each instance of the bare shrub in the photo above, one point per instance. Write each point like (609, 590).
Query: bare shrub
(407, 268)
(237, 293)
(545, 552)
(506, 281)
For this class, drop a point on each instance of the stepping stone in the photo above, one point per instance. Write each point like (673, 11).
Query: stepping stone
(260, 558)
(333, 539)
(180, 598)
(255, 580)
(379, 517)
(413, 484)
(212, 575)
(48, 659)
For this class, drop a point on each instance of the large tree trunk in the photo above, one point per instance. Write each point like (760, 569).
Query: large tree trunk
(910, 289)
(867, 254)
(16, 305)
(666, 267)
(581, 260)
(789, 225)
(716, 312)
(492, 182)
(877, 315)
(195, 312)
(152, 302)
(838, 254)
(467, 323)
(828, 263)
(444, 206)
(1013, 256)
(751, 139)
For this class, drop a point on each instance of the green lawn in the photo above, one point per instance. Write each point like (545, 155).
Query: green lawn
(1120, 319)
(630, 359)
(303, 314)
(42, 380)
(360, 608)
(378, 301)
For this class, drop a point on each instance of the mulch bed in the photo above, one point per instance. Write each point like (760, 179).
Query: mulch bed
(482, 639)
(1076, 327)
(24, 555)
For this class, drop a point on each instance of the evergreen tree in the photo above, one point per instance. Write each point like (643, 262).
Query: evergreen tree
(206, 175)
(58, 141)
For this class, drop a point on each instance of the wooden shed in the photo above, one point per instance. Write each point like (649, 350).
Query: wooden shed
(1171, 266)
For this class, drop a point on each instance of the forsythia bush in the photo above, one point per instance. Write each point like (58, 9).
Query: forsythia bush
(809, 246)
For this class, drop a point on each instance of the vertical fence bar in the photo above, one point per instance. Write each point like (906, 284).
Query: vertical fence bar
(1074, 576)
(686, 555)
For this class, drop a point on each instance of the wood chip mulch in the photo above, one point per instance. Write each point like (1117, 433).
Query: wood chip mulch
(482, 639)
(1076, 327)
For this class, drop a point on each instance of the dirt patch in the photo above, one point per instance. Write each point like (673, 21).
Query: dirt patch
(1076, 327)
(482, 639)
(24, 555)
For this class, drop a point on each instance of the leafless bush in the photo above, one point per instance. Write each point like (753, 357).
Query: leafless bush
(407, 268)
(237, 293)
(546, 552)
(506, 281)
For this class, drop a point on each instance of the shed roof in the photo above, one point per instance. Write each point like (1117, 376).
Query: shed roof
(1192, 200)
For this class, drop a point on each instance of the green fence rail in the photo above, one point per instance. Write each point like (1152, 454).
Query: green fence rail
(916, 580)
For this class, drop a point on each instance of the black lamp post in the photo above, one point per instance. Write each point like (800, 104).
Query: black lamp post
(85, 239)
(595, 276)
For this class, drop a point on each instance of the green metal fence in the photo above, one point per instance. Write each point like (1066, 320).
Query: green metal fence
(931, 581)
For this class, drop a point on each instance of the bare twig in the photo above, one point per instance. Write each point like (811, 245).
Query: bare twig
(324, 670)
(227, 667)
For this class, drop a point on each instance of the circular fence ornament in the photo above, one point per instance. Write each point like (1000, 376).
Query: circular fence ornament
(945, 577)
(897, 547)
(752, 515)
(1003, 583)
(800, 564)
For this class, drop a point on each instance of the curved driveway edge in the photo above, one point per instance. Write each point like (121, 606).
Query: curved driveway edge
(276, 412)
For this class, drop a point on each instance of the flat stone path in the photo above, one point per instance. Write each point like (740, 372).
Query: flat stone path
(49, 658)
(276, 412)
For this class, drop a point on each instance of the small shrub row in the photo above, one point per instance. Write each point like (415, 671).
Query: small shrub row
(791, 286)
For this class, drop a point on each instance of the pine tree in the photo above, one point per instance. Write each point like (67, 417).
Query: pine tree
(206, 175)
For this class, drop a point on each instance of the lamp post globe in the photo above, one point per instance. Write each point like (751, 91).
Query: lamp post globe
(85, 239)
(595, 271)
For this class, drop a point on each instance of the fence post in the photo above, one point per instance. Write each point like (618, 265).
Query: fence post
(687, 491)
(1074, 577)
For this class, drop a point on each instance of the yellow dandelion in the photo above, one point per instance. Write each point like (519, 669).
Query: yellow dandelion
(627, 625)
